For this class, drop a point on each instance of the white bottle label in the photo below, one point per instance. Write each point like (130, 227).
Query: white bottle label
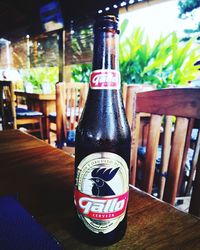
(101, 192)
(105, 79)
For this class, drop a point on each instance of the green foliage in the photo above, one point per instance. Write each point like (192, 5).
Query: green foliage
(81, 72)
(81, 45)
(167, 61)
(186, 6)
(40, 75)
(187, 10)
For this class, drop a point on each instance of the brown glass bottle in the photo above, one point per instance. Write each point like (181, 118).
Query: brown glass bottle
(102, 153)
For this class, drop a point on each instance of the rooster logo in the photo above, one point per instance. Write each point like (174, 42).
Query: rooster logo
(99, 177)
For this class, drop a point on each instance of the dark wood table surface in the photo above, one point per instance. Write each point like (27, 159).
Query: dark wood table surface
(41, 178)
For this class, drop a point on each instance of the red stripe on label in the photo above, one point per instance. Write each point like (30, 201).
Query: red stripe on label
(100, 208)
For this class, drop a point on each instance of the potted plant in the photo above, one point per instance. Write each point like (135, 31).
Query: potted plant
(41, 78)
(81, 72)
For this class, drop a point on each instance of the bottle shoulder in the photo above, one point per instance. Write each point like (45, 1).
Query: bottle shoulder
(104, 109)
(108, 124)
(103, 127)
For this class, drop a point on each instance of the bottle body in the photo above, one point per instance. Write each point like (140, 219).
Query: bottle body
(102, 153)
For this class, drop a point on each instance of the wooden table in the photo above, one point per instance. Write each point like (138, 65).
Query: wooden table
(41, 177)
(44, 103)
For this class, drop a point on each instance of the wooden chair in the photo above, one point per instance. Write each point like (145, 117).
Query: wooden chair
(137, 88)
(5, 101)
(15, 117)
(173, 115)
(70, 100)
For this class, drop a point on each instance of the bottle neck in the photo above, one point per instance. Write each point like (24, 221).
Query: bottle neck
(105, 55)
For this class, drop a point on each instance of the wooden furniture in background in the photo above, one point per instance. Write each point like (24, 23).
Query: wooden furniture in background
(41, 178)
(44, 103)
(14, 117)
(6, 89)
(166, 106)
(129, 96)
(137, 88)
(70, 100)
(195, 201)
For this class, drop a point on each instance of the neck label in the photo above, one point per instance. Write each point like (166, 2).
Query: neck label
(105, 79)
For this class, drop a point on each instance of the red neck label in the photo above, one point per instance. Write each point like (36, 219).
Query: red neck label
(105, 79)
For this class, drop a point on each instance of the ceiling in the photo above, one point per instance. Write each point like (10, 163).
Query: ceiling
(20, 16)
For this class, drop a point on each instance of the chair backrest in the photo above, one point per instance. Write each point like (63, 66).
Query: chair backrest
(172, 114)
(75, 98)
(70, 101)
(7, 104)
(137, 88)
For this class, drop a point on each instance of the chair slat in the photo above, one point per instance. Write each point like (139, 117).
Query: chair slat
(152, 147)
(195, 200)
(134, 148)
(177, 150)
(194, 164)
(60, 111)
(165, 153)
(13, 106)
(130, 105)
(185, 153)
(72, 107)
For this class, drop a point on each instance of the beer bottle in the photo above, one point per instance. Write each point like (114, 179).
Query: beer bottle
(102, 151)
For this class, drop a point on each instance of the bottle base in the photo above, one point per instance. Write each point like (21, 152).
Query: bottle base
(100, 239)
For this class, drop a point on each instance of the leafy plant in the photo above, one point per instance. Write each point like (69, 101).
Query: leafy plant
(81, 72)
(188, 10)
(81, 45)
(167, 61)
(187, 6)
(40, 75)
